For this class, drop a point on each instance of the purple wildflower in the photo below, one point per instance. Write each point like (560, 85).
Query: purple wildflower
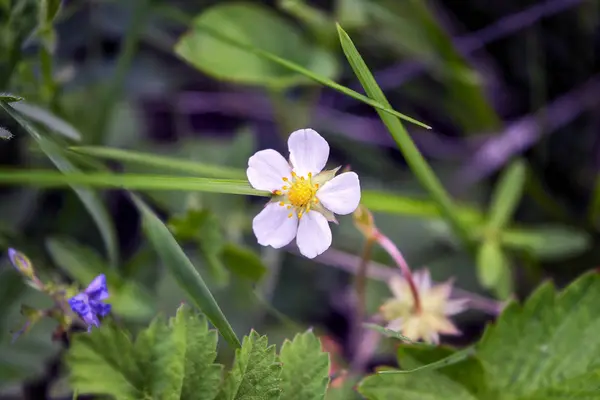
(88, 304)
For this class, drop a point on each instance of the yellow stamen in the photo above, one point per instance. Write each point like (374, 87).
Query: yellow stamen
(285, 188)
(281, 203)
(289, 207)
(290, 215)
(285, 179)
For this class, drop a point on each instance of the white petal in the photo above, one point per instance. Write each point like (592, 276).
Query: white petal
(308, 151)
(272, 226)
(314, 234)
(456, 306)
(341, 194)
(266, 168)
(422, 280)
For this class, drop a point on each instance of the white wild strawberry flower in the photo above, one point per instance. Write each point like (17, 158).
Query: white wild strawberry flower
(432, 319)
(305, 197)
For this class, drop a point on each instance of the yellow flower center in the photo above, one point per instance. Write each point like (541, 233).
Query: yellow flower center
(300, 193)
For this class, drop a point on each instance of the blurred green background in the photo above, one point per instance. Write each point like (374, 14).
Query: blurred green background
(510, 89)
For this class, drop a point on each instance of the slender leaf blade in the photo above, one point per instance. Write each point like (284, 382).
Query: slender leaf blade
(415, 160)
(297, 68)
(183, 270)
(127, 181)
(161, 162)
(89, 199)
(46, 118)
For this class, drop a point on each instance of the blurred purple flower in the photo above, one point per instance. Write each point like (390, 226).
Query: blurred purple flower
(88, 304)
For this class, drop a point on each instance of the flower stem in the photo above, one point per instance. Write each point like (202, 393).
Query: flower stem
(396, 255)
(360, 280)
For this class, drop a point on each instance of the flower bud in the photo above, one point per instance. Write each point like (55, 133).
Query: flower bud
(363, 220)
(21, 263)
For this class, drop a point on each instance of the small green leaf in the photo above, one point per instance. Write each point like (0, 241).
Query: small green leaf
(507, 195)
(413, 157)
(128, 181)
(243, 262)
(255, 373)
(89, 199)
(129, 300)
(161, 162)
(203, 227)
(305, 373)
(252, 25)
(547, 242)
(184, 272)
(493, 268)
(46, 118)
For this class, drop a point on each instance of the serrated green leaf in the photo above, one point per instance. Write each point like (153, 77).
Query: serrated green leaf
(128, 181)
(103, 362)
(89, 199)
(243, 262)
(167, 361)
(493, 268)
(161, 162)
(255, 373)
(255, 26)
(128, 299)
(159, 352)
(183, 271)
(413, 157)
(507, 195)
(201, 375)
(549, 348)
(305, 373)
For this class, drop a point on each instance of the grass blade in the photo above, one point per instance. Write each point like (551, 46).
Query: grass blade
(309, 74)
(89, 199)
(128, 181)
(184, 271)
(413, 157)
(134, 157)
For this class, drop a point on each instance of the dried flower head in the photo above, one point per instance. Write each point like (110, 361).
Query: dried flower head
(431, 319)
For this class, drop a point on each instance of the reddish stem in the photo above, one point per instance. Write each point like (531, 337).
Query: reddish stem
(396, 255)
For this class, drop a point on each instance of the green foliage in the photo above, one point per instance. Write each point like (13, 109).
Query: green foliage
(294, 67)
(166, 361)
(415, 160)
(160, 162)
(175, 360)
(305, 373)
(256, 26)
(507, 195)
(243, 262)
(183, 270)
(90, 200)
(255, 373)
(547, 348)
(493, 268)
